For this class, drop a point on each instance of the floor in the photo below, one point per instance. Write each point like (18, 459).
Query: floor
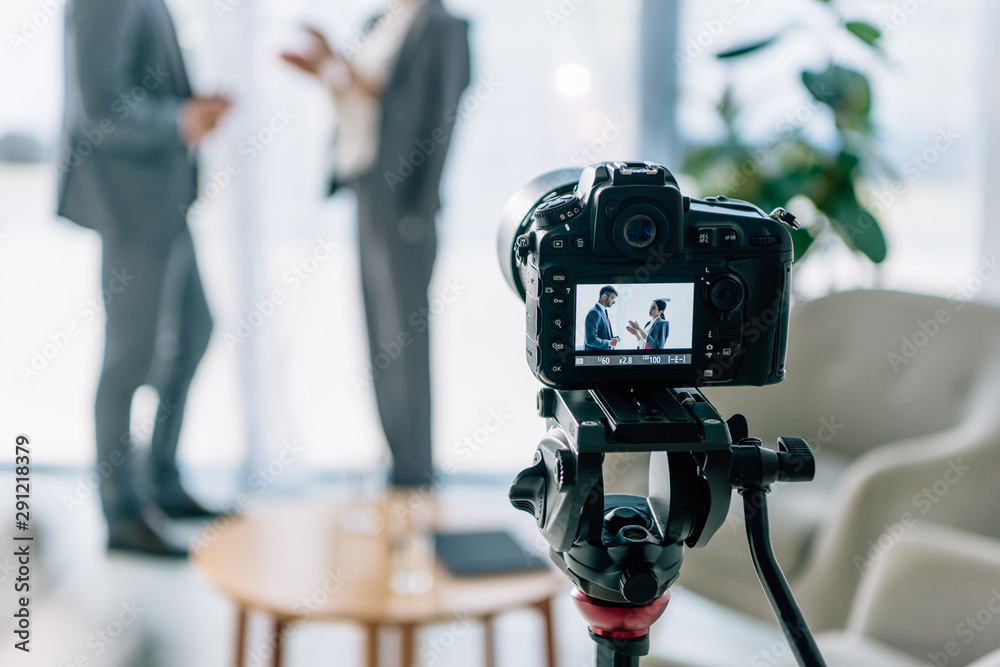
(100, 610)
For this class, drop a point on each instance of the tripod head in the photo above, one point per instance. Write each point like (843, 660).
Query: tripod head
(623, 551)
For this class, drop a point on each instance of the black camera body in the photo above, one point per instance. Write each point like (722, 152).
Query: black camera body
(701, 287)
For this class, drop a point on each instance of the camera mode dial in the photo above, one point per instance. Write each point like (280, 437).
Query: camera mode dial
(557, 210)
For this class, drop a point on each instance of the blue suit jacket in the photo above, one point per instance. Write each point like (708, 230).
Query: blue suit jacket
(597, 331)
(656, 337)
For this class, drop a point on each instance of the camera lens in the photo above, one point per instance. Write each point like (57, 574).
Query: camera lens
(639, 231)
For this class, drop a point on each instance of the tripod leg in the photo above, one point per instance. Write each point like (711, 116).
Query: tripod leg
(606, 657)
(790, 618)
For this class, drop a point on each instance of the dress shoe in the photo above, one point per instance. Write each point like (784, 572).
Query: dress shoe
(178, 504)
(143, 534)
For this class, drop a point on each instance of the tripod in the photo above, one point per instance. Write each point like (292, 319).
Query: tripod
(623, 551)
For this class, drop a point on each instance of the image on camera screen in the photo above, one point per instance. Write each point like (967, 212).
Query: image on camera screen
(636, 323)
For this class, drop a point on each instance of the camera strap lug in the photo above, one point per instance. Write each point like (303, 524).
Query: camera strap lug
(783, 216)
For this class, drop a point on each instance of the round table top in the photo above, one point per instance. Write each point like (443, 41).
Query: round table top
(370, 562)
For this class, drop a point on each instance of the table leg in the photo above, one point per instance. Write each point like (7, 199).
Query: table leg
(241, 637)
(545, 607)
(489, 642)
(371, 645)
(278, 630)
(409, 649)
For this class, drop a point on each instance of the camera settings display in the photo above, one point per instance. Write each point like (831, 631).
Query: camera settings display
(634, 360)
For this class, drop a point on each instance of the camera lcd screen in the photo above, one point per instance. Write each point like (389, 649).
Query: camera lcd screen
(632, 324)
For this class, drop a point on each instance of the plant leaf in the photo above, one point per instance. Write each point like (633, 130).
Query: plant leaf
(860, 229)
(866, 32)
(801, 242)
(747, 48)
(846, 92)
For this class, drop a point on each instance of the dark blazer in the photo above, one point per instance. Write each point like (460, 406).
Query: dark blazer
(419, 112)
(656, 337)
(123, 169)
(597, 330)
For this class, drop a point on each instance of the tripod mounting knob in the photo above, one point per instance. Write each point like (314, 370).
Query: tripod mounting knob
(638, 584)
(546, 402)
(754, 466)
(795, 460)
(527, 493)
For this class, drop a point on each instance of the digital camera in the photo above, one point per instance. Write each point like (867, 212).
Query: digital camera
(626, 282)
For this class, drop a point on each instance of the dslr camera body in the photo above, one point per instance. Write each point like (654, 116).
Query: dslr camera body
(595, 254)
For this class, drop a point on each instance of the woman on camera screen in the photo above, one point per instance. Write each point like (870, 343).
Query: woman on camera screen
(653, 336)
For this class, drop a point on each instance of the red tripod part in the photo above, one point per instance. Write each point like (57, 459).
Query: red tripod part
(617, 622)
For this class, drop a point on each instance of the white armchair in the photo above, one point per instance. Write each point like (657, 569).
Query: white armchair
(934, 599)
(899, 396)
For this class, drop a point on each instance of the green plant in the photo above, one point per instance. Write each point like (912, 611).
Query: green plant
(773, 171)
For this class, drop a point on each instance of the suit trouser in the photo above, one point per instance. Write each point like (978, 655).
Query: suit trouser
(158, 326)
(396, 260)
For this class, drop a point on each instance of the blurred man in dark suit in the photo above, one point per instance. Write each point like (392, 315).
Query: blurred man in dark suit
(128, 172)
(397, 102)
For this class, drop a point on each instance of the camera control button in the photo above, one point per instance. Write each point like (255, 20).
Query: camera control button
(558, 243)
(726, 294)
(558, 323)
(559, 278)
(580, 243)
(556, 368)
(558, 300)
(728, 236)
(704, 237)
(557, 345)
(728, 349)
(711, 334)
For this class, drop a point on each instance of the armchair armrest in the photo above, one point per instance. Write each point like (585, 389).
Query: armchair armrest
(934, 595)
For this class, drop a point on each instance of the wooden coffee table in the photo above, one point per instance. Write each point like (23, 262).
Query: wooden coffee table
(370, 564)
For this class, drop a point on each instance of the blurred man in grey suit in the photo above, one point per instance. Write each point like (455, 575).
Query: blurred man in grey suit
(128, 171)
(397, 90)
